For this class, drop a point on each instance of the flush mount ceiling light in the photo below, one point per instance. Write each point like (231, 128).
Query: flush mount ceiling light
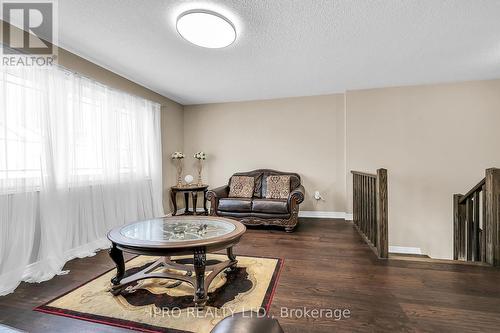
(206, 29)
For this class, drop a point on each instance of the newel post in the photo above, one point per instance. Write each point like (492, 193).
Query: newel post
(382, 214)
(492, 218)
(458, 228)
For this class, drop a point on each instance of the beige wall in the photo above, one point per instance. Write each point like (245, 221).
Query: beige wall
(171, 112)
(435, 141)
(303, 135)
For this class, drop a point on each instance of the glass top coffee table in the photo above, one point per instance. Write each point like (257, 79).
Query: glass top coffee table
(174, 236)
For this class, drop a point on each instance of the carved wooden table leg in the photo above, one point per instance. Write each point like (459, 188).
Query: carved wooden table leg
(194, 195)
(205, 202)
(232, 258)
(186, 202)
(117, 256)
(200, 296)
(173, 197)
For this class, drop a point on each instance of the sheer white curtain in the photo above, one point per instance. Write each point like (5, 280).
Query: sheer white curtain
(76, 159)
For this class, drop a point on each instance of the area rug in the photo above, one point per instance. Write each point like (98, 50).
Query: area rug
(155, 308)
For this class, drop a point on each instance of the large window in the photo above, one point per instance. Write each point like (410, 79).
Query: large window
(85, 132)
(76, 159)
(20, 129)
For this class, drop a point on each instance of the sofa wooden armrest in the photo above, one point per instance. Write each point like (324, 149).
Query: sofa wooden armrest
(214, 195)
(296, 195)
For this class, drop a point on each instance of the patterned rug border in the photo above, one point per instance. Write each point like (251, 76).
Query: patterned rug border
(131, 325)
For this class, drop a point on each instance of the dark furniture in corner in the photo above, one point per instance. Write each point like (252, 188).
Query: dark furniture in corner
(187, 190)
(258, 210)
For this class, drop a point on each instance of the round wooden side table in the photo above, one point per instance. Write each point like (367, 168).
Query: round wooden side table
(187, 190)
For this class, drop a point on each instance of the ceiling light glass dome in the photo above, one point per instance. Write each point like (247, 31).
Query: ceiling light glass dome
(206, 29)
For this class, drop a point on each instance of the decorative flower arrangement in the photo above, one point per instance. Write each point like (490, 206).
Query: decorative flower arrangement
(177, 155)
(200, 155)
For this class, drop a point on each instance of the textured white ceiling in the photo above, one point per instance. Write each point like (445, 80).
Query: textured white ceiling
(288, 47)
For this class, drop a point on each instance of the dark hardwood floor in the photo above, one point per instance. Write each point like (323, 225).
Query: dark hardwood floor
(328, 266)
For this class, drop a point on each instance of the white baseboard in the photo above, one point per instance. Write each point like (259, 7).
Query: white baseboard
(405, 250)
(322, 214)
(348, 217)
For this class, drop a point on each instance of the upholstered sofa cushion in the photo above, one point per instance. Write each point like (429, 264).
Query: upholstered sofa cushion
(278, 187)
(235, 205)
(257, 176)
(241, 187)
(270, 206)
(294, 180)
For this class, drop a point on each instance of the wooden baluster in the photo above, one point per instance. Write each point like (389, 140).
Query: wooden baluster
(354, 200)
(457, 231)
(367, 202)
(365, 196)
(370, 202)
(375, 227)
(369, 181)
(368, 217)
(364, 205)
(358, 198)
(468, 229)
(492, 217)
(369, 209)
(475, 234)
(382, 214)
(361, 203)
(357, 201)
(360, 208)
(483, 233)
(463, 230)
(370, 197)
(374, 211)
(367, 205)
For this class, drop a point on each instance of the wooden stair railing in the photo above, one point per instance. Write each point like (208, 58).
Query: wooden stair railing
(476, 221)
(370, 211)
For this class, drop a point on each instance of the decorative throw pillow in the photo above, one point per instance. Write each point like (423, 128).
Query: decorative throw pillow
(278, 187)
(241, 187)
(257, 189)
